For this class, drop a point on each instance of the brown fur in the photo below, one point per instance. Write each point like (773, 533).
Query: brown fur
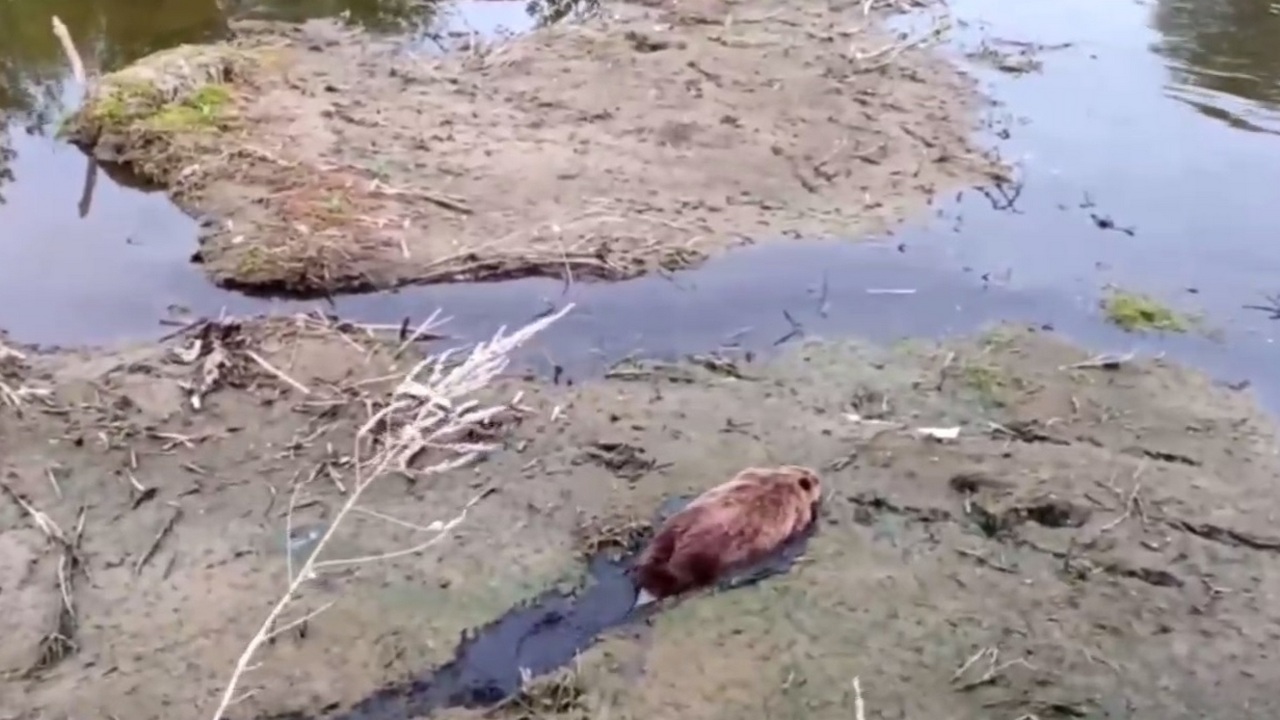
(729, 527)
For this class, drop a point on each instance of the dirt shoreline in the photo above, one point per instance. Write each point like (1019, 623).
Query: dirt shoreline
(1101, 540)
(324, 161)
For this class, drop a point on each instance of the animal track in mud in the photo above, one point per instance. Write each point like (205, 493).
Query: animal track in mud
(1028, 431)
(625, 460)
(1033, 431)
(1051, 512)
(869, 504)
(1162, 456)
(1227, 536)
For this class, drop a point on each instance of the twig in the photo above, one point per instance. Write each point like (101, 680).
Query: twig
(984, 560)
(276, 372)
(60, 642)
(439, 528)
(859, 708)
(1272, 307)
(68, 47)
(16, 398)
(1129, 504)
(53, 480)
(423, 329)
(300, 621)
(42, 521)
(90, 182)
(1105, 361)
(886, 55)
(159, 538)
(428, 410)
(8, 352)
(992, 673)
(797, 330)
(448, 203)
(968, 663)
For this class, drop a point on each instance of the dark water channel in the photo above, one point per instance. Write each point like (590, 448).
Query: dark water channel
(543, 635)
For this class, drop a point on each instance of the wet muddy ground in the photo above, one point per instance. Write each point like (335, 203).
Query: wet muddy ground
(1122, 515)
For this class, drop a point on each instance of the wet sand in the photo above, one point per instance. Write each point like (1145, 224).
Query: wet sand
(1121, 515)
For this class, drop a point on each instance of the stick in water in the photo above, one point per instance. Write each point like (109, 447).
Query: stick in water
(68, 47)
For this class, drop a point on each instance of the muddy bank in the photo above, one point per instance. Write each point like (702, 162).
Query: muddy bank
(1122, 516)
(327, 160)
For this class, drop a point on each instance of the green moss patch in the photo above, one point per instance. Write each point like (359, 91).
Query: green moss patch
(157, 114)
(129, 106)
(1133, 312)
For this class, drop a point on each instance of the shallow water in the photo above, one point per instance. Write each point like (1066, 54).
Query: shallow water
(1109, 128)
(1156, 117)
(84, 258)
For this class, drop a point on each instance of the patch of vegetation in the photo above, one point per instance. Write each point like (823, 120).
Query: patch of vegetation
(561, 696)
(293, 267)
(987, 382)
(208, 107)
(999, 339)
(134, 105)
(1133, 312)
(164, 95)
(615, 536)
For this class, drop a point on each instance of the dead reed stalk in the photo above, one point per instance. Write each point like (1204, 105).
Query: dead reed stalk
(429, 411)
(69, 47)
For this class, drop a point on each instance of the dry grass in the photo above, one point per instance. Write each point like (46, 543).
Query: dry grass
(59, 641)
(615, 534)
(340, 229)
(428, 419)
(14, 392)
(562, 695)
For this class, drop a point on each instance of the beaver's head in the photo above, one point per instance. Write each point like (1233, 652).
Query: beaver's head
(807, 480)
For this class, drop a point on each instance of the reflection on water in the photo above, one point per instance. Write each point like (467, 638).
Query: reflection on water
(81, 247)
(108, 33)
(35, 83)
(1104, 147)
(1224, 58)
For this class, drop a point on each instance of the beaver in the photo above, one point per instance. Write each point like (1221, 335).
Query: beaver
(729, 527)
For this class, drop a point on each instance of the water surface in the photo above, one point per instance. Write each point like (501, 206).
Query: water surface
(1108, 135)
(1145, 145)
(86, 256)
